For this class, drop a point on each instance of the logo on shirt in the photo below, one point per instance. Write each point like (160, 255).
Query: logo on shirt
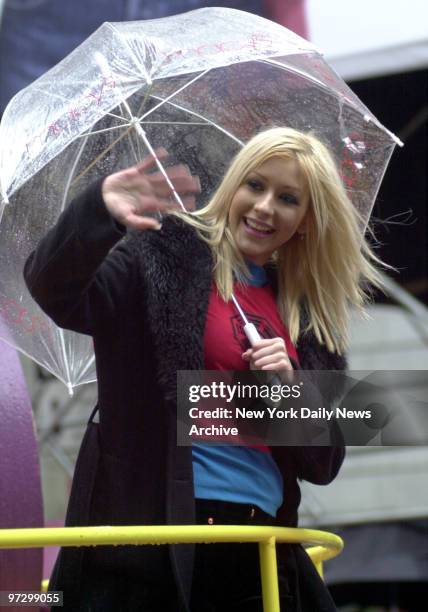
(263, 327)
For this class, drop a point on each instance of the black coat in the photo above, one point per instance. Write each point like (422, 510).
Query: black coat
(145, 304)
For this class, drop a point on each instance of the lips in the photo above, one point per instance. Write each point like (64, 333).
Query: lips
(257, 227)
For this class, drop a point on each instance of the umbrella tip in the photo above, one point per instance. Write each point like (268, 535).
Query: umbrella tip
(400, 143)
(70, 389)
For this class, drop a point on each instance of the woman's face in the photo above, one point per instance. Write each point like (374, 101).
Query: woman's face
(269, 208)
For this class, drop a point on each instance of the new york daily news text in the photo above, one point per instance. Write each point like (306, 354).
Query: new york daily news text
(318, 408)
(273, 393)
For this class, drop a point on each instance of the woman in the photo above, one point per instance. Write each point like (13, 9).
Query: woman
(281, 232)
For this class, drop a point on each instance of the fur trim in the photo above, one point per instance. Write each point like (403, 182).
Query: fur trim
(175, 271)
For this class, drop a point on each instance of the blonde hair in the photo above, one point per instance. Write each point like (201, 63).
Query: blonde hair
(336, 263)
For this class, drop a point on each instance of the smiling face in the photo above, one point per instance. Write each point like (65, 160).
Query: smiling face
(269, 208)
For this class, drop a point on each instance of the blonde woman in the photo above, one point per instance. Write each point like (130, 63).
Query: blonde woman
(281, 233)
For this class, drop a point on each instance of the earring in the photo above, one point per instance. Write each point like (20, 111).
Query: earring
(302, 236)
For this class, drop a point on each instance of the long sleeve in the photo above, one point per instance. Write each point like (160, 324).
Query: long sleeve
(319, 464)
(72, 274)
(314, 463)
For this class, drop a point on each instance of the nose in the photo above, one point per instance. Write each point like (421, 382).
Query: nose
(264, 203)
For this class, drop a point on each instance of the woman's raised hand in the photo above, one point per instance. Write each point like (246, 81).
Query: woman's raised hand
(132, 193)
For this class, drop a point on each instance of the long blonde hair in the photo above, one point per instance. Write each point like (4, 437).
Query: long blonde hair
(336, 263)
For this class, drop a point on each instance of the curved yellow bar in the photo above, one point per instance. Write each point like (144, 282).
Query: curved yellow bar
(327, 544)
(163, 534)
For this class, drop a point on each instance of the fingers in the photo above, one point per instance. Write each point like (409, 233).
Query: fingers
(137, 177)
(137, 222)
(149, 204)
(180, 178)
(189, 202)
(131, 194)
(149, 161)
(273, 362)
(268, 354)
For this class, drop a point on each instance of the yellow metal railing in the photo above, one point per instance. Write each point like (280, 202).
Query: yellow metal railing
(327, 545)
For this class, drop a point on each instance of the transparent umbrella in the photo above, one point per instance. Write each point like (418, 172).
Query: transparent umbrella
(199, 84)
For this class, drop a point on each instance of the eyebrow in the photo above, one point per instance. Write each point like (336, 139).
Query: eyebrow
(294, 188)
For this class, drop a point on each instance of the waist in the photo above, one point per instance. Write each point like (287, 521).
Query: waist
(216, 512)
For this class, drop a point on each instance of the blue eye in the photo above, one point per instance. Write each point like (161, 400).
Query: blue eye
(254, 184)
(289, 198)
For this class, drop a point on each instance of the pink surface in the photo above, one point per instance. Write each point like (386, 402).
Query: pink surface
(20, 490)
(289, 13)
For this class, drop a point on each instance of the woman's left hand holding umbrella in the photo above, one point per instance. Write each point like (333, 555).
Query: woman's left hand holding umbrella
(131, 194)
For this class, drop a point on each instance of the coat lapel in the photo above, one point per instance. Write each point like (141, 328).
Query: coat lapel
(176, 272)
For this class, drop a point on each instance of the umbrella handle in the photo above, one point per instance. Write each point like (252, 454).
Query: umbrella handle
(252, 334)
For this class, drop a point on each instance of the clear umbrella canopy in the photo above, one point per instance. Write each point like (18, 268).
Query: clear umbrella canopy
(199, 84)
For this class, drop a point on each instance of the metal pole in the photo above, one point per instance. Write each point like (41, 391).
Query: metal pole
(1, 9)
(269, 574)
